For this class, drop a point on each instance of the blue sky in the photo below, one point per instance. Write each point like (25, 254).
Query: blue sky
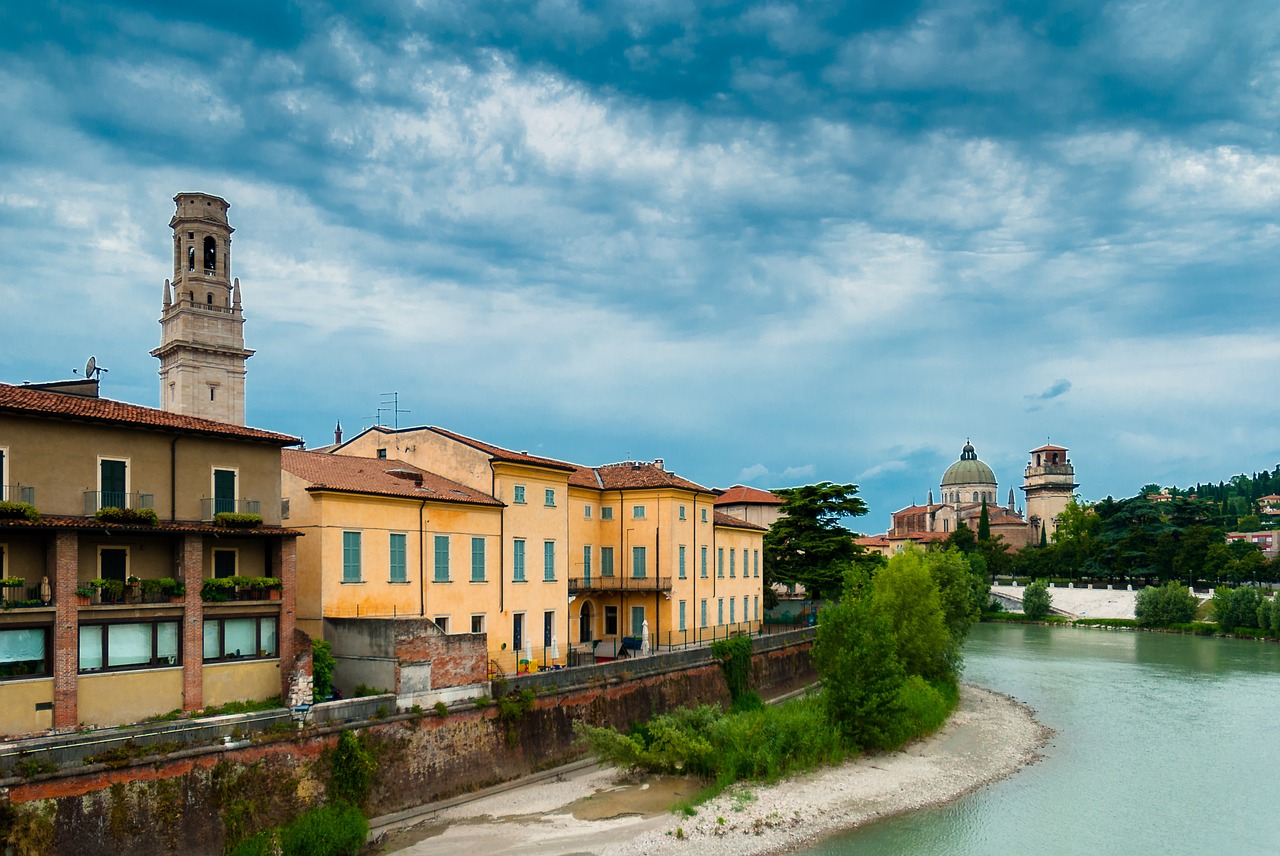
(769, 242)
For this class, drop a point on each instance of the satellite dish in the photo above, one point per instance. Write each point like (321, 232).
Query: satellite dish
(91, 367)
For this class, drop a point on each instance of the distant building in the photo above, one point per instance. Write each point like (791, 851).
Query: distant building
(750, 504)
(1268, 541)
(1269, 506)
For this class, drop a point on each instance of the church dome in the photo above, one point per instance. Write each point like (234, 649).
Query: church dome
(968, 470)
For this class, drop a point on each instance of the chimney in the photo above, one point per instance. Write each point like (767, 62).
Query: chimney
(659, 463)
(337, 434)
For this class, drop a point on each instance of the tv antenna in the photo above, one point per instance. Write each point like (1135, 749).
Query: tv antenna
(92, 370)
(391, 404)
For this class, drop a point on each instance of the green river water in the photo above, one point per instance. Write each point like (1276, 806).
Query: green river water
(1164, 745)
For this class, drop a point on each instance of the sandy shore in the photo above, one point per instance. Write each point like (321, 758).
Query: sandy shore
(595, 811)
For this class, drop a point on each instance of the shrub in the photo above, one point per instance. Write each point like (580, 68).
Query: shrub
(353, 767)
(322, 665)
(442, 709)
(1036, 600)
(1236, 608)
(18, 511)
(235, 520)
(111, 514)
(734, 655)
(336, 830)
(1171, 603)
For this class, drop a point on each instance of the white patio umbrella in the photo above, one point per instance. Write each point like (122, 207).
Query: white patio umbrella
(644, 639)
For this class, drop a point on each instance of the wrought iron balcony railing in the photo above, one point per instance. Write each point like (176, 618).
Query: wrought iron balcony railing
(609, 584)
(94, 500)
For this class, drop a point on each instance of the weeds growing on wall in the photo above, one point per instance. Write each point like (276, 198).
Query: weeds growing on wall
(734, 655)
(322, 665)
(353, 768)
(336, 830)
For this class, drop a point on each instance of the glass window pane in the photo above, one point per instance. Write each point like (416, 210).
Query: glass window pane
(167, 642)
(240, 637)
(90, 648)
(128, 644)
(22, 652)
(212, 650)
(267, 629)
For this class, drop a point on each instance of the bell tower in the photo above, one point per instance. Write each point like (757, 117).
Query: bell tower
(1049, 482)
(202, 352)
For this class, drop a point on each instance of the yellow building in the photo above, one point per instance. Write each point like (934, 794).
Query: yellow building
(111, 538)
(586, 557)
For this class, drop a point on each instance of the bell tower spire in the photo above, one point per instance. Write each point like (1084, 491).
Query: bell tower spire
(202, 353)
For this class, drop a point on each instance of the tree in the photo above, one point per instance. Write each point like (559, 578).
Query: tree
(961, 592)
(1249, 523)
(808, 544)
(962, 539)
(1236, 608)
(905, 591)
(1036, 600)
(1171, 603)
(862, 678)
(984, 522)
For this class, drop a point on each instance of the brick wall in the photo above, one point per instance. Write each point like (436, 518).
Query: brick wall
(284, 562)
(63, 569)
(191, 571)
(456, 660)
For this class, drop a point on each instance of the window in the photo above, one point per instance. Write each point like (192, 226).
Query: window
(732, 554)
(442, 558)
(586, 512)
(586, 562)
(113, 483)
(637, 563)
(129, 646)
(704, 515)
(225, 563)
(351, 557)
(720, 562)
(682, 512)
(606, 512)
(550, 498)
(682, 619)
(549, 561)
(682, 573)
(517, 631)
(704, 563)
(755, 562)
(517, 560)
(210, 253)
(720, 611)
(477, 561)
(548, 628)
(442, 621)
(637, 512)
(397, 560)
(606, 561)
(113, 563)
(382, 454)
(637, 621)
(745, 553)
(745, 614)
(477, 624)
(757, 605)
(704, 612)
(732, 617)
(611, 621)
(224, 490)
(519, 495)
(24, 652)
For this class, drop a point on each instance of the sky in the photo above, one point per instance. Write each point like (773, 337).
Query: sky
(771, 243)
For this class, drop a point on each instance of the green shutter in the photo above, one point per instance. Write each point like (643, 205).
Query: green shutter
(224, 490)
(477, 560)
(549, 560)
(113, 485)
(637, 563)
(351, 557)
(517, 560)
(399, 565)
(442, 559)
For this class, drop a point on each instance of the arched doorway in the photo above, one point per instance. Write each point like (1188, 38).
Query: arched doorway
(584, 623)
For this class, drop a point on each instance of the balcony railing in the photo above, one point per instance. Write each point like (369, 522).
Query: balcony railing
(18, 493)
(609, 584)
(211, 507)
(94, 500)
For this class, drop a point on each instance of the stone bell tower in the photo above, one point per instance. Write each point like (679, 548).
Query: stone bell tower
(1049, 482)
(202, 352)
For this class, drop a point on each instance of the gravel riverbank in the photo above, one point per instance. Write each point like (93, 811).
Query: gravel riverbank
(989, 737)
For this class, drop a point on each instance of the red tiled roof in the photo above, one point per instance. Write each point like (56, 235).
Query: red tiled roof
(500, 454)
(60, 522)
(722, 519)
(1049, 448)
(872, 541)
(743, 495)
(631, 475)
(920, 536)
(34, 402)
(377, 476)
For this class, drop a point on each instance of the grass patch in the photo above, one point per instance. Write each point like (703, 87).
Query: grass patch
(337, 830)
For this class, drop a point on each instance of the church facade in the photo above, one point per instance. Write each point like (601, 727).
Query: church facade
(969, 485)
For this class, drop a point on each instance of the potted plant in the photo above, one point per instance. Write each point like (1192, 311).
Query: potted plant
(132, 589)
(236, 520)
(84, 595)
(107, 591)
(12, 588)
(18, 511)
(217, 590)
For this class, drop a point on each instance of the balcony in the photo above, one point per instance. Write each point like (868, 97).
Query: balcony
(18, 493)
(618, 584)
(209, 508)
(95, 500)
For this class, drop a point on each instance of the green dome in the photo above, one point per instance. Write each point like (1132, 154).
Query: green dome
(968, 470)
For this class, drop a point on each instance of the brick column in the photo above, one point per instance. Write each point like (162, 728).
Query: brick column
(284, 561)
(191, 572)
(63, 564)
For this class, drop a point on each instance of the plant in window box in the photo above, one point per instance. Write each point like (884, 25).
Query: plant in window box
(84, 595)
(19, 511)
(217, 590)
(111, 514)
(109, 591)
(236, 520)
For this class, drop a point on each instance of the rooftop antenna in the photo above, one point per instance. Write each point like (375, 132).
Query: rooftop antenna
(92, 370)
(391, 404)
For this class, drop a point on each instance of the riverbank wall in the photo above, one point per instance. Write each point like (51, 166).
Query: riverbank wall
(197, 800)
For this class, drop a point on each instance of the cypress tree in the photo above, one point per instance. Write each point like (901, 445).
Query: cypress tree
(984, 523)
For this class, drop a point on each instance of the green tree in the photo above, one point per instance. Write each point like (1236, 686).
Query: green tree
(984, 522)
(1236, 608)
(961, 592)
(1168, 604)
(904, 590)
(962, 539)
(1036, 600)
(862, 678)
(808, 544)
(322, 665)
(1249, 523)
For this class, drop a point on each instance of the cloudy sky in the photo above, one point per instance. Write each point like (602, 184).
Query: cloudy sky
(769, 242)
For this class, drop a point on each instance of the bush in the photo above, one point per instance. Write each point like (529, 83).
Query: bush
(336, 830)
(1036, 600)
(322, 665)
(110, 514)
(1171, 603)
(18, 511)
(353, 767)
(1236, 608)
(235, 520)
(734, 655)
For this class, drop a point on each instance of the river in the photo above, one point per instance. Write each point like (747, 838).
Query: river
(1164, 744)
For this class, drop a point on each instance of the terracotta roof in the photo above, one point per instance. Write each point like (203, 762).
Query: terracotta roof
(722, 519)
(1269, 496)
(920, 536)
(630, 475)
(378, 477)
(1005, 520)
(34, 402)
(1049, 448)
(500, 454)
(911, 508)
(743, 495)
(48, 521)
(872, 541)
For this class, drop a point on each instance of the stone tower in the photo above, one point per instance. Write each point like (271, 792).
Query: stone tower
(202, 350)
(1049, 482)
